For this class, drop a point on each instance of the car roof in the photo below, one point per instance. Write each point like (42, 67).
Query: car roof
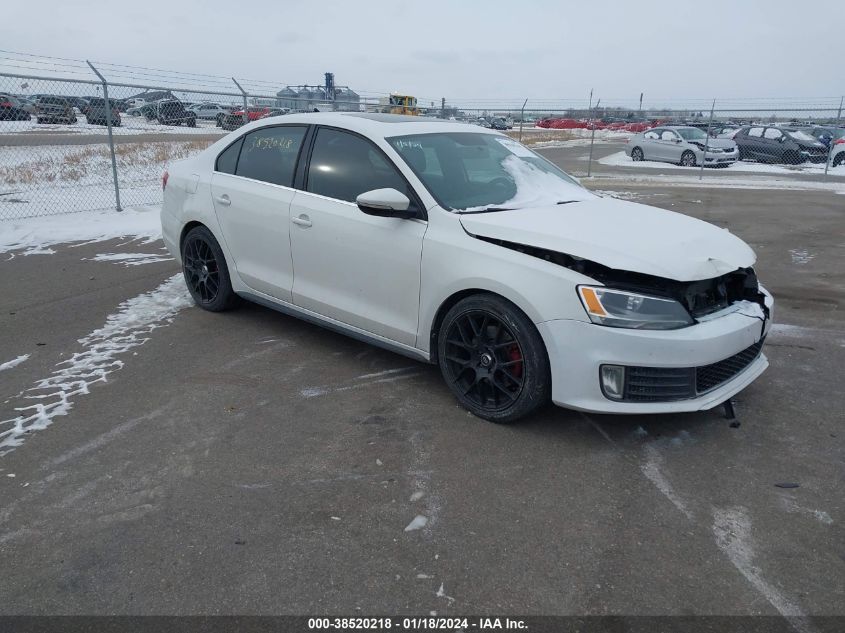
(374, 124)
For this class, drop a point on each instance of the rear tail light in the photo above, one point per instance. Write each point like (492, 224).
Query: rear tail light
(839, 141)
(164, 178)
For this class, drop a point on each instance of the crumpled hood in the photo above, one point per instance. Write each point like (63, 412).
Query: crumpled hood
(621, 235)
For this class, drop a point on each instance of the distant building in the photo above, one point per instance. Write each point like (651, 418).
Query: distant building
(307, 97)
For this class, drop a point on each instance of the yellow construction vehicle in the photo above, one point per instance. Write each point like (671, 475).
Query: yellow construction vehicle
(400, 104)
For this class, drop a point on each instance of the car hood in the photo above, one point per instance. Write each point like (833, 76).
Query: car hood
(620, 235)
(721, 143)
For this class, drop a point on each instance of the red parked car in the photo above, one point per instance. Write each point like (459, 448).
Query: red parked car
(253, 114)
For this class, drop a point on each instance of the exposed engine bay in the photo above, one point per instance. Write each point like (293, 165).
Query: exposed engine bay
(700, 298)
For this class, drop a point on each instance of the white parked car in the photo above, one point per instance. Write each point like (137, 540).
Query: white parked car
(681, 145)
(456, 245)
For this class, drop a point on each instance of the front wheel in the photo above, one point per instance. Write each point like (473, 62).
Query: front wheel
(688, 159)
(838, 159)
(206, 273)
(493, 359)
(636, 154)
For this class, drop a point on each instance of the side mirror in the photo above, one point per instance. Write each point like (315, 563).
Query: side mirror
(677, 140)
(781, 139)
(385, 203)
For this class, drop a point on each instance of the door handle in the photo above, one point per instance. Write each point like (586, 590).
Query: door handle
(302, 220)
(224, 200)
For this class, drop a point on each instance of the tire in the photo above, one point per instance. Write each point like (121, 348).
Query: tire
(637, 155)
(192, 122)
(219, 119)
(203, 265)
(688, 159)
(838, 159)
(39, 120)
(493, 359)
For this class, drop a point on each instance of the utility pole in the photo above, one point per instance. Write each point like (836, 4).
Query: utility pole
(641, 104)
(442, 107)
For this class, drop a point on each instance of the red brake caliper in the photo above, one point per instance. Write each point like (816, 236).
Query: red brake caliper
(515, 355)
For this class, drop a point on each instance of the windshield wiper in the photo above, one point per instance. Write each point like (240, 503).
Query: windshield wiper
(492, 209)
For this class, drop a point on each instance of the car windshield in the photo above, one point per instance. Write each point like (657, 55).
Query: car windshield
(472, 172)
(801, 135)
(691, 133)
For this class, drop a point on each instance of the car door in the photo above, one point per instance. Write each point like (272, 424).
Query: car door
(355, 268)
(754, 146)
(667, 147)
(252, 188)
(772, 144)
(649, 144)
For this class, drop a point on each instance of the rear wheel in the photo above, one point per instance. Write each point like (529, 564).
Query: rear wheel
(637, 154)
(206, 273)
(493, 359)
(688, 159)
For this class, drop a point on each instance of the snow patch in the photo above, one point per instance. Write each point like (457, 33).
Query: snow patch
(126, 329)
(35, 235)
(801, 256)
(732, 529)
(14, 362)
(653, 470)
(418, 523)
(131, 259)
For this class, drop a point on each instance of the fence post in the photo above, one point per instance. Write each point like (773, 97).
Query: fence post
(521, 118)
(706, 141)
(592, 136)
(111, 138)
(839, 113)
(246, 107)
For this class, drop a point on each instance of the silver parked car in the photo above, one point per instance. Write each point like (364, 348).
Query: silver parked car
(681, 145)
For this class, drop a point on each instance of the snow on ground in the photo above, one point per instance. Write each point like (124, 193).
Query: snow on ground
(129, 125)
(748, 182)
(50, 179)
(619, 159)
(129, 327)
(132, 259)
(34, 236)
(14, 362)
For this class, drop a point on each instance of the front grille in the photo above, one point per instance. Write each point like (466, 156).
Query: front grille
(666, 384)
(711, 376)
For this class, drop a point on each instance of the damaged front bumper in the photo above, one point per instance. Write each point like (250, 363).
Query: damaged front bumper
(719, 356)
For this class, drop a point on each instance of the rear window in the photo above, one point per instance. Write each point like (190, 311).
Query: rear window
(52, 101)
(270, 154)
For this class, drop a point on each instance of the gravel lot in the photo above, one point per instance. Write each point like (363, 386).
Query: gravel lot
(251, 463)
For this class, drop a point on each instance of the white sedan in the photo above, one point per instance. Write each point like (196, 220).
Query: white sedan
(456, 245)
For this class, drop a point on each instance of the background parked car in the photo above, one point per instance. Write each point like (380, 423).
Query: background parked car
(827, 134)
(235, 119)
(771, 144)
(681, 145)
(210, 111)
(50, 109)
(11, 109)
(96, 112)
(837, 153)
(276, 112)
(172, 112)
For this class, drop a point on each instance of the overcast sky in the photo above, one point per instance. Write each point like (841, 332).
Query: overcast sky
(463, 50)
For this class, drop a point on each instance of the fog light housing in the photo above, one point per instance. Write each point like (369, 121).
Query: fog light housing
(613, 381)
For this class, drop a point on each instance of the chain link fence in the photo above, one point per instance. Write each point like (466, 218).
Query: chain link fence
(88, 142)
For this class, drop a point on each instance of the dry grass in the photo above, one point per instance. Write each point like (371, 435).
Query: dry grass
(88, 161)
(533, 137)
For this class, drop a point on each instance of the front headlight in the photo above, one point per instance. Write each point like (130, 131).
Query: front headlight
(620, 308)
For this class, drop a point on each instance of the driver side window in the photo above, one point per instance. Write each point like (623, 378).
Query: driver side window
(344, 165)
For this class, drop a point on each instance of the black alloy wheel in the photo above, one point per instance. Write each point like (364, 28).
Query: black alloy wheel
(206, 274)
(688, 159)
(493, 359)
(636, 154)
